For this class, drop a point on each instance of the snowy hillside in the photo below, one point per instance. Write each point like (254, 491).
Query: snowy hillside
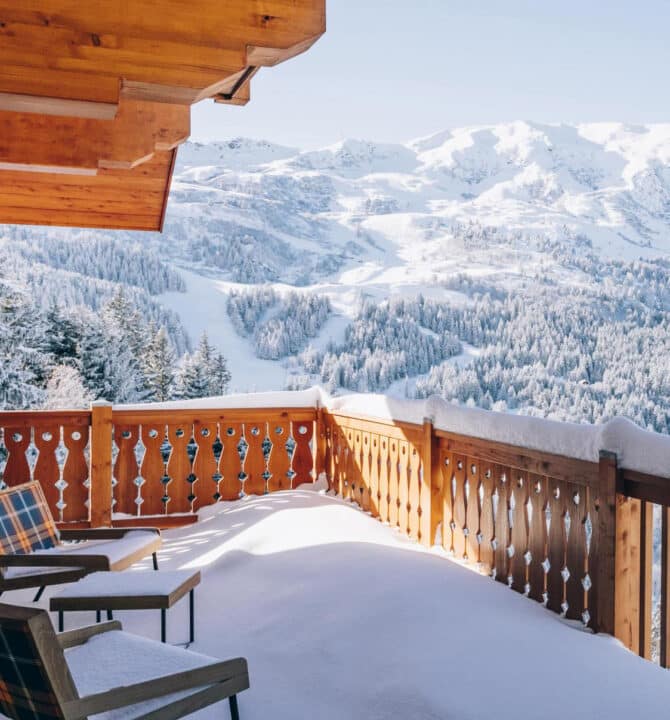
(513, 255)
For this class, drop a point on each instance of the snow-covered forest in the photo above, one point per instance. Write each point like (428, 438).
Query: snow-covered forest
(70, 337)
(279, 325)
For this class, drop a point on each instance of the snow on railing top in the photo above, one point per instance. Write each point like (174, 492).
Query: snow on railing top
(636, 449)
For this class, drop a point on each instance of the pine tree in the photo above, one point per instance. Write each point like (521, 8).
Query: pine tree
(65, 389)
(192, 381)
(158, 367)
(220, 375)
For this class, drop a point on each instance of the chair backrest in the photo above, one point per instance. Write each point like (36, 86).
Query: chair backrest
(26, 523)
(34, 678)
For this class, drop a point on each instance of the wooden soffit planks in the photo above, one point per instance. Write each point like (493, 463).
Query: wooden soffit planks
(121, 199)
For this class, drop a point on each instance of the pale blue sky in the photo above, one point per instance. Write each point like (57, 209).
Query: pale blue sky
(392, 70)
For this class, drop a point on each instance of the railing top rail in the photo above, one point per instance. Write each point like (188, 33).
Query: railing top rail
(30, 418)
(171, 416)
(378, 425)
(641, 486)
(559, 467)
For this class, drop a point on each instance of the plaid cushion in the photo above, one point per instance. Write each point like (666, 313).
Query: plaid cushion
(25, 688)
(26, 523)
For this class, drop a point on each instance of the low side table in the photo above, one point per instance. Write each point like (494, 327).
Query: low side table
(129, 590)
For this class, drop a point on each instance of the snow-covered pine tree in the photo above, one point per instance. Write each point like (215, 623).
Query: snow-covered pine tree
(65, 389)
(192, 381)
(159, 367)
(219, 376)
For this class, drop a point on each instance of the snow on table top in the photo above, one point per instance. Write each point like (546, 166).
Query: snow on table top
(637, 449)
(129, 583)
(341, 617)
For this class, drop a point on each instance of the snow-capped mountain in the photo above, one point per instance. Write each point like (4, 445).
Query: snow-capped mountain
(365, 212)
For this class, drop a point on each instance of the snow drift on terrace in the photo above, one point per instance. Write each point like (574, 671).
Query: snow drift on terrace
(636, 449)
(340, 617)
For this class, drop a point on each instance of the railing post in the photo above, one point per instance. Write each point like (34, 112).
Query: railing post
(607, 544)
(426, 534)
(100, 499)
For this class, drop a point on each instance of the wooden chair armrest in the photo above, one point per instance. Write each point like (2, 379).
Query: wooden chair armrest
(102, 533)
(51, 560)
(231, 672)
(70, 638)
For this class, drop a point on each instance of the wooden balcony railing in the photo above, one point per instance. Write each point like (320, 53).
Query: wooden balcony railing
(572, 534)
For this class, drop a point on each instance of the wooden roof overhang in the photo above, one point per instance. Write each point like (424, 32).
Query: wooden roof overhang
(95, 96)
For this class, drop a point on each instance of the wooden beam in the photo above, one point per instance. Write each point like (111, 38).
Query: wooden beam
(13, 102)
(47, 143)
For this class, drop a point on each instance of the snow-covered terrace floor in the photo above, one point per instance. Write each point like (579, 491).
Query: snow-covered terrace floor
(341, 617)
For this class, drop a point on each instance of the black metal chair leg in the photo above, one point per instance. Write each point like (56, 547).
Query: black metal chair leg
(163, 624)
(61, 621)
(110, 615)
(98, 617)
(39, 594)
(234, 711)
(154, 557)
(191, 615)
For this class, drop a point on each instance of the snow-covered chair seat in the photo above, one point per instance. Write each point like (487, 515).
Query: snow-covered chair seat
(104, 673)
(33, 553)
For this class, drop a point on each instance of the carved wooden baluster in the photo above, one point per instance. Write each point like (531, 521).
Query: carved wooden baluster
(280, 462)
(338, 460)
(537, 488)
(230, 465)
(576, 551)
(510, 503)
(556, 542)
(179, 468)
(394, 453)
(500, 475)
(75, 473)
(414, 495)
(366, 471)
(329, 460)
(589, 565)
(46, 470)
(461, 499)
(384, 489)
(303, 459)
(254, 464)
(352, 466)
(205, 465)
(403, 486)
(446, 465)
(152, 469)
(519, 484)
(374, 474)
(473, 510)
(486, 533)
(17, 469)
(126, 470)
(357, 465)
